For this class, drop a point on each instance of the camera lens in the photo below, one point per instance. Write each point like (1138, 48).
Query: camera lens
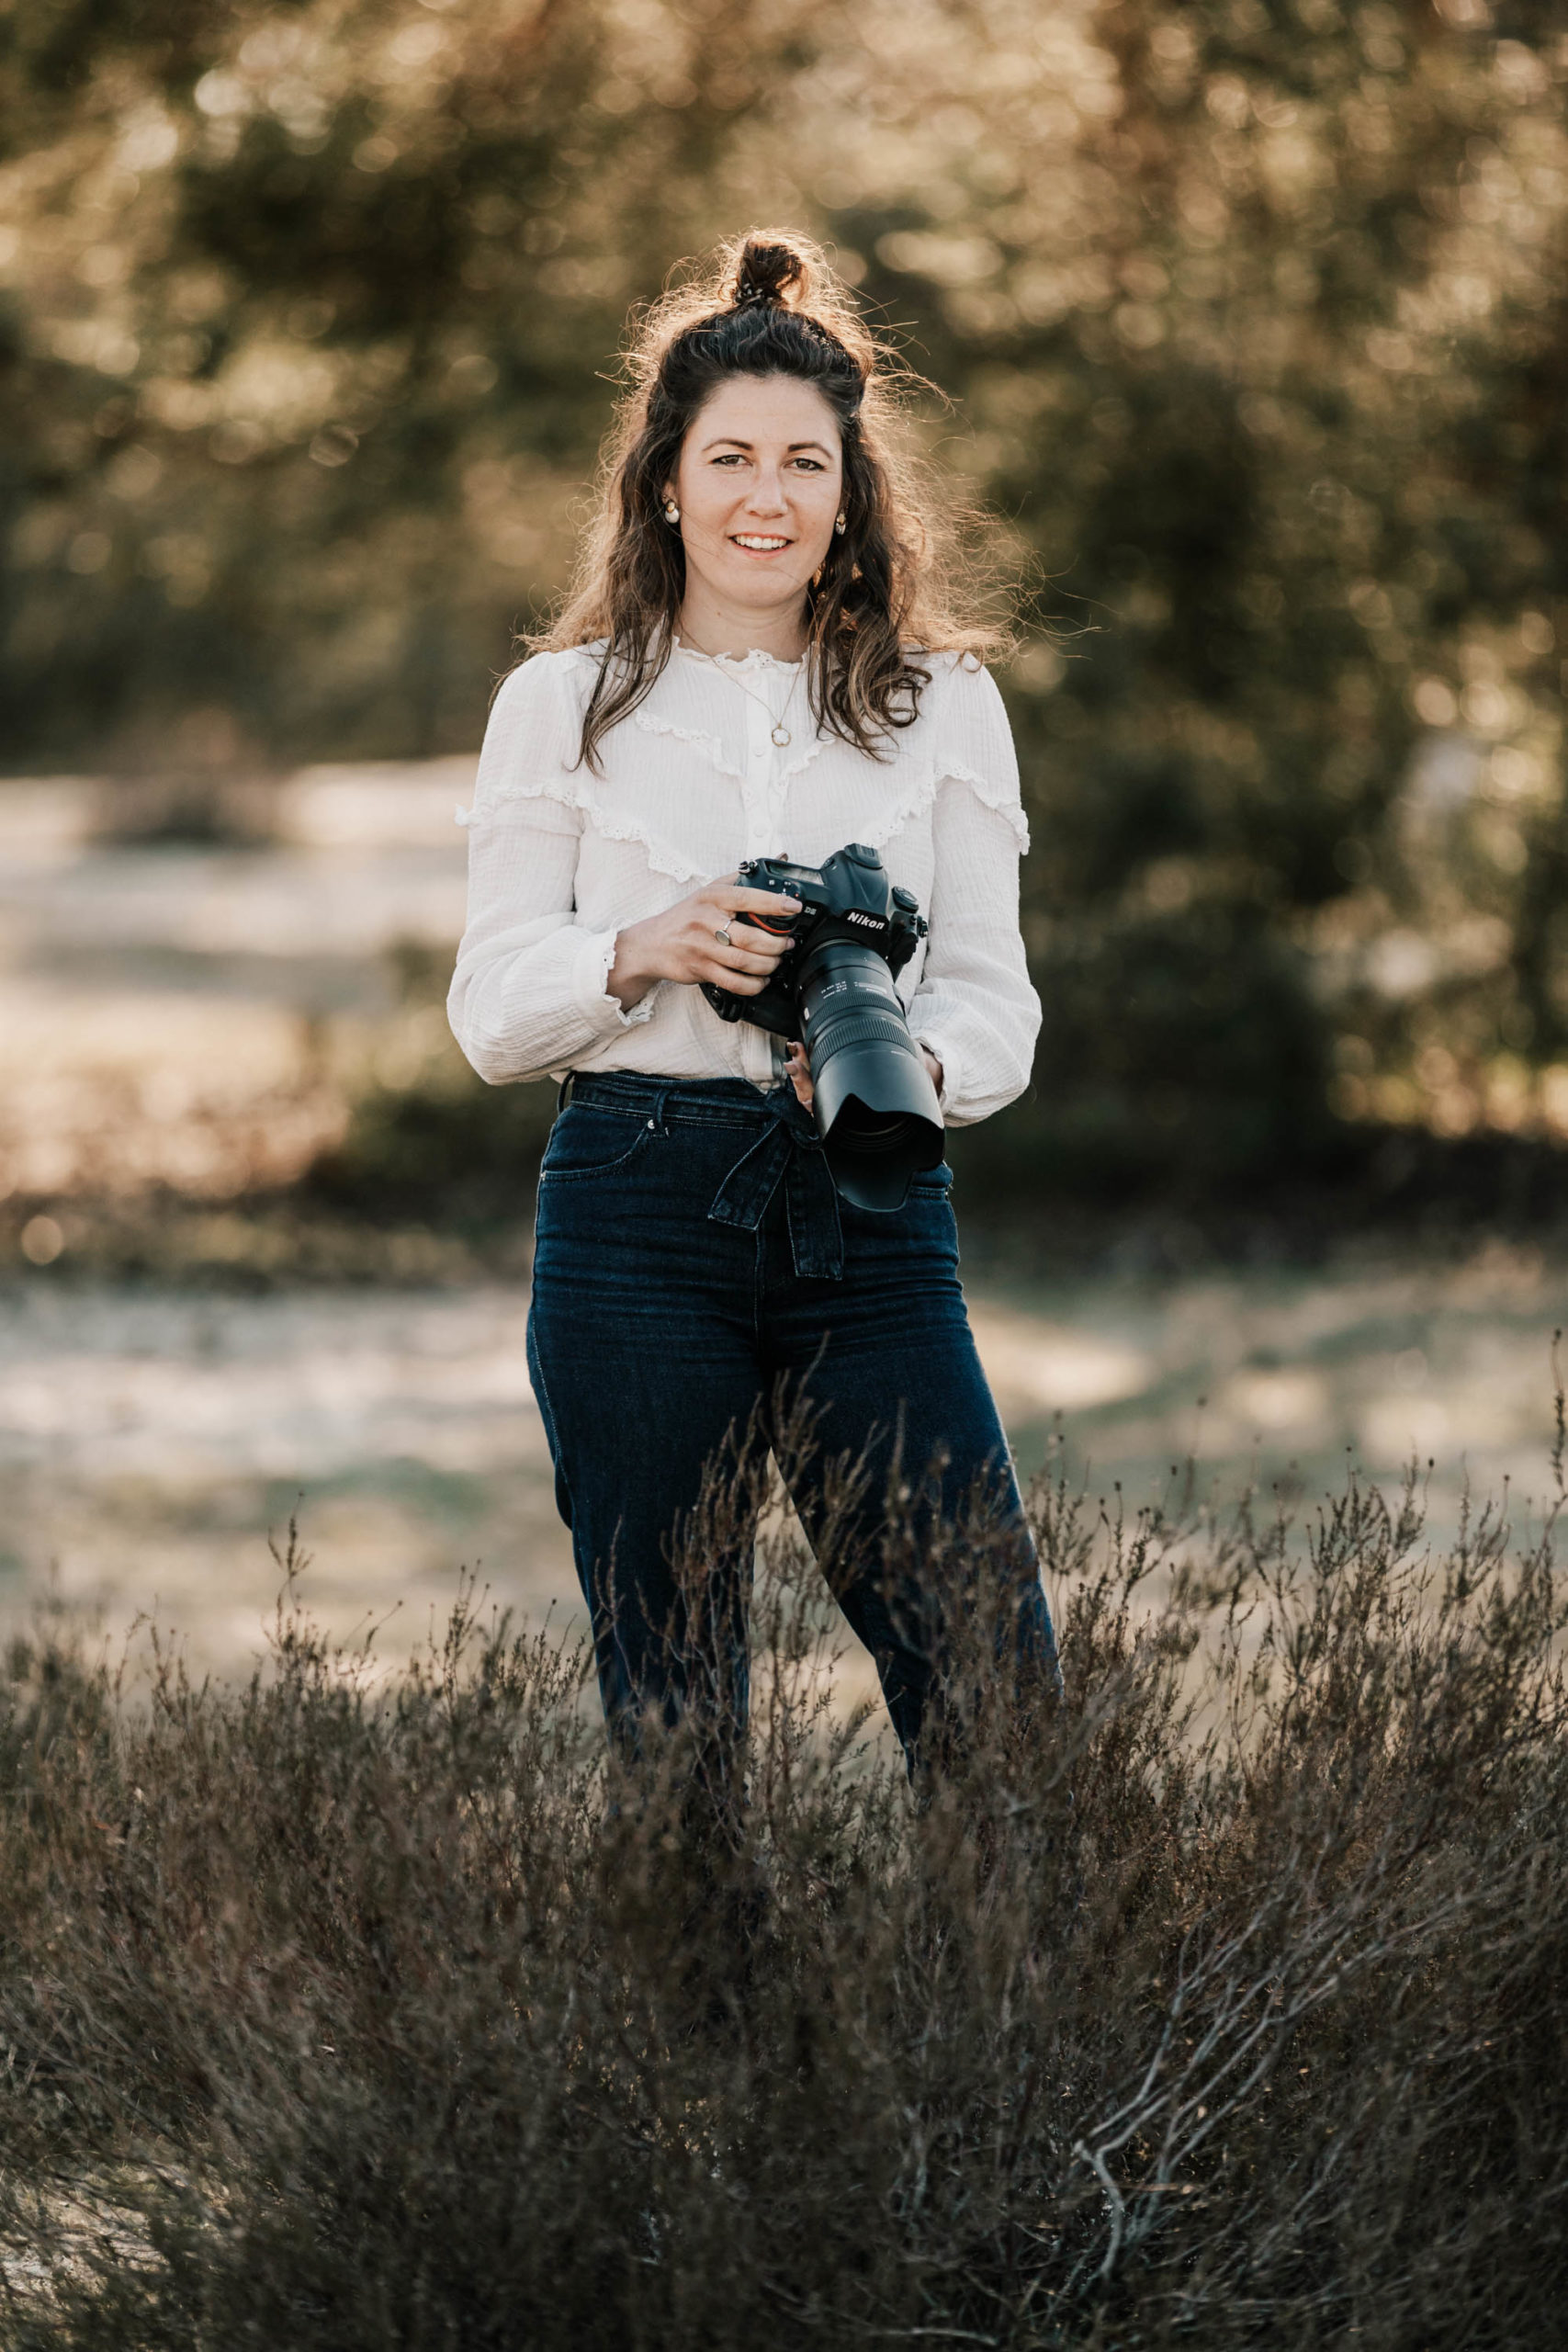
(875, 1102)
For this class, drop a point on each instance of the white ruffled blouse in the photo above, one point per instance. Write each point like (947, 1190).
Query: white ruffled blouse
(559, 859)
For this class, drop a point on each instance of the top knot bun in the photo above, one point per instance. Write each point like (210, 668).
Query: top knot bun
(768, 299)
(768, 272)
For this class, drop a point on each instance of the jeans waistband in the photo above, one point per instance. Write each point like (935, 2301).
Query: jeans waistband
(685, 1101)
(788, 1150)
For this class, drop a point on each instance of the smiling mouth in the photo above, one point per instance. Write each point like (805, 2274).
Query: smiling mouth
(759, 542)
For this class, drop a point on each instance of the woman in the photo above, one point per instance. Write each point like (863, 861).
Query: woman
(757, 661)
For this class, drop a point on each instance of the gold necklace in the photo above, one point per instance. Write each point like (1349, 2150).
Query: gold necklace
(778, 733)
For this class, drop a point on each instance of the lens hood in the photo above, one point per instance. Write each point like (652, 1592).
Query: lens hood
(877, 1115)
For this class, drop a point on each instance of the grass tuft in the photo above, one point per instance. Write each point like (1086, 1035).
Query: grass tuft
(352, 2008)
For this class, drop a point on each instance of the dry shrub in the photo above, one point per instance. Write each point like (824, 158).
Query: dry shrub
(1218, 2004)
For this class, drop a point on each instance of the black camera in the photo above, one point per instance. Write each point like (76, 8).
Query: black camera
(876, 1108)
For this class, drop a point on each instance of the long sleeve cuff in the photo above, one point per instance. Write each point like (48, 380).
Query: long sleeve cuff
(595, 956)
(947, 1093)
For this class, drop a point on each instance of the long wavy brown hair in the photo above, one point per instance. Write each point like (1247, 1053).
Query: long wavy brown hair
(891, 589)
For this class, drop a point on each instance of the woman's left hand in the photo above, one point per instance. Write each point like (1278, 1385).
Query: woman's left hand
(799, 1070)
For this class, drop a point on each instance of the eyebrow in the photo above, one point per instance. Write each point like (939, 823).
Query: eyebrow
(733, 441)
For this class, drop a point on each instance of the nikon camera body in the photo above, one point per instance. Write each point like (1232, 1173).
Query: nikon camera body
(876, 1108)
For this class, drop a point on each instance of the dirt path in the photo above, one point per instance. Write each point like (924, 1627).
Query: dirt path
(149, 1441)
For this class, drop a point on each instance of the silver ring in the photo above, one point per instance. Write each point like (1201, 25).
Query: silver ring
(724, 935)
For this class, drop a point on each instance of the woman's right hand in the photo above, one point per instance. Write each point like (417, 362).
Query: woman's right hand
(681, 944)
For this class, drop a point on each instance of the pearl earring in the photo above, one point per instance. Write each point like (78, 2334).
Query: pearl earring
(672, 512)
(839, 525)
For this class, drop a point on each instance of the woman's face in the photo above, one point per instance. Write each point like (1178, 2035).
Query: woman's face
(759, 484)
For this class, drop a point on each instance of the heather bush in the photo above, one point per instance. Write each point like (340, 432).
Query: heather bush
(1217, 2005)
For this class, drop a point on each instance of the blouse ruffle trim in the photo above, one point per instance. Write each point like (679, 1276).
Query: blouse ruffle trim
(804, 757)
(713, 749)
(923, 791)
(997, 796)
(660, 857)
(709, 744)
(755, 660)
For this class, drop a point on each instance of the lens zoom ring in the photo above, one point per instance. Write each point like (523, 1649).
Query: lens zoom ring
(866, 1029)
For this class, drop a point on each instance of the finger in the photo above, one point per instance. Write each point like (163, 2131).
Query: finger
(755, 940)
(738, 958)
(712, 915)
(732, 885)
(754, 948)
(755, 902)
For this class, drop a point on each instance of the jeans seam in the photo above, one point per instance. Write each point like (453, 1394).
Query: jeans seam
(547, 1417)
(759, 1283)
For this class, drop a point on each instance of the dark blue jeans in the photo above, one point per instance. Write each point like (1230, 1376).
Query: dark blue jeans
(702, 1293)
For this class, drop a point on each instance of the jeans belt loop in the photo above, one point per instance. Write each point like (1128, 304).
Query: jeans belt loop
(564, 1096)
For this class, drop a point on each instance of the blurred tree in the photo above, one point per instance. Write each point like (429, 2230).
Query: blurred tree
(1252, 310)
(1253, 317)
(314, 306)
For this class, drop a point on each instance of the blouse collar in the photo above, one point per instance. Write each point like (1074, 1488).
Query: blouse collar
(755, 660)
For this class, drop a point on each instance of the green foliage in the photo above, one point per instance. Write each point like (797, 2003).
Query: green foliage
(1223, 2006)
(431, 1141)
(446, 1147)
(1253, 317)
(1178, 1050)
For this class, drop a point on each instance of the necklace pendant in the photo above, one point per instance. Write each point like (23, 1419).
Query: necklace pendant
(781, 735)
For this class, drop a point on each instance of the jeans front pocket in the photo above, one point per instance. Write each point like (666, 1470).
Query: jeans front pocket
(586, 1141)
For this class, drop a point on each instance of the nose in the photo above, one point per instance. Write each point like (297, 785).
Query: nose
(767, 493)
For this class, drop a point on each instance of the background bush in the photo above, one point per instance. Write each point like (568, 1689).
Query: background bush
(1254, 319)
(1223, 2006)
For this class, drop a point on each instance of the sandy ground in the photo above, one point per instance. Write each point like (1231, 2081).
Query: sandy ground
(150, 1440)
